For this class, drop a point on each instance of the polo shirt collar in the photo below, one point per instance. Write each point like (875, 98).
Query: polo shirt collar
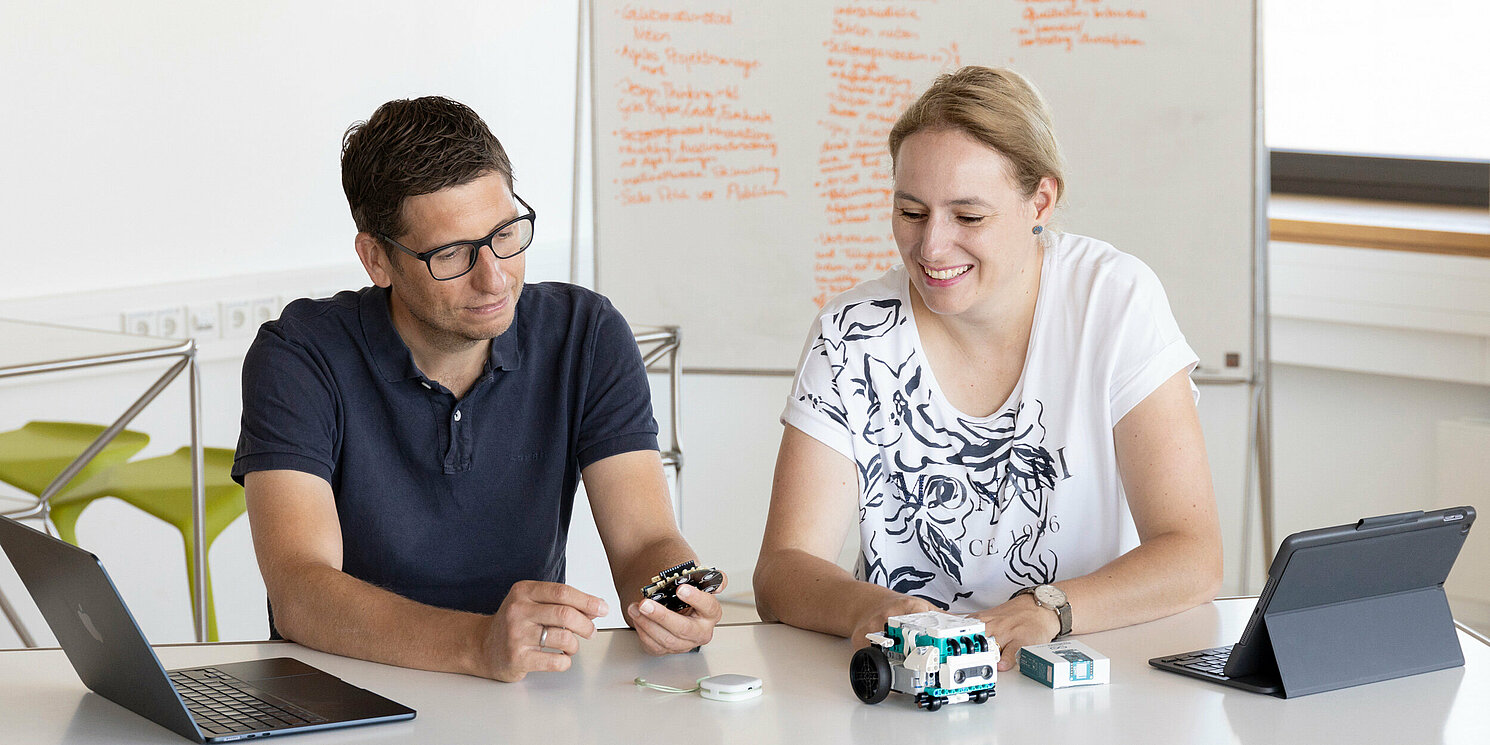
(506, 353)
(391, 356)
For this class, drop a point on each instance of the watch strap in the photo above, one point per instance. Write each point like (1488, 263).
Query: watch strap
(1064, 611)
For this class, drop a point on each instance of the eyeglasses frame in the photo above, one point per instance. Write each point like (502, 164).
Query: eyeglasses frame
(531, 216)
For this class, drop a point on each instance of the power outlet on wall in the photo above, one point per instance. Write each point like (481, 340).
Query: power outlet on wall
(142, 322)
(237, 319)
(171, 322)
(265, 309)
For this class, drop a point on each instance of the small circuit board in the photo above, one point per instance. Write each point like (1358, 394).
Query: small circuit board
(664, 586)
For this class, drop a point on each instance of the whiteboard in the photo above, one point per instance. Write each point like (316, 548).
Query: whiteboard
(742, 176)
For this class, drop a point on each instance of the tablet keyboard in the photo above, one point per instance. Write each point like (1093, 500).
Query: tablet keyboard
(1207, 663)
(222, 704)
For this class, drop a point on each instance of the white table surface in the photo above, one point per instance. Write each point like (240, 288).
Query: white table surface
(807, 698)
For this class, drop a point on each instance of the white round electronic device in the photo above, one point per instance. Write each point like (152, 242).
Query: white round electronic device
(729, 687)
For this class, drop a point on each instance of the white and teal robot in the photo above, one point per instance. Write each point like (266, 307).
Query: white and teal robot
(939, 658)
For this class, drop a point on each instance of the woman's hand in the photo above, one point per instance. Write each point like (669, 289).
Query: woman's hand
(898, 606)
(1018, 623)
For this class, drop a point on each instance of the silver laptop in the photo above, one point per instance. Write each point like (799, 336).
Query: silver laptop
(222, 703)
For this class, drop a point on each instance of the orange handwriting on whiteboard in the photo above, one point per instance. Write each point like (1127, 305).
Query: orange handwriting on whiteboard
(875, 54)
(694, 127)
(1066, 25)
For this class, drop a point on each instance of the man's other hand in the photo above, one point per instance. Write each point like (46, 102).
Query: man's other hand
(538, 616)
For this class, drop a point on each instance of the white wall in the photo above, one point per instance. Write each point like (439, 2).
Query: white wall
(178, 140)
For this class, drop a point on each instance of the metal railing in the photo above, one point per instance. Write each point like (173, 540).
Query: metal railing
(661, 343)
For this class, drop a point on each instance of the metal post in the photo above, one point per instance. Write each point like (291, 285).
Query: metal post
(1265, 469)
(675, 375)
(579, 130)
(1254, 399)
(198, 498)
(668, 340)
(15, 622)
(1262, 356)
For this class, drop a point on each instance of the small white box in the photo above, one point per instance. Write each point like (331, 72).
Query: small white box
(1064, 664)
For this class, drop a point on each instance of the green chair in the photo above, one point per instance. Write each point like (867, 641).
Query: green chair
(162, 487)
(30, 457)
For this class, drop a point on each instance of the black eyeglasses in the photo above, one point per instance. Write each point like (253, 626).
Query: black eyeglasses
(456, 259)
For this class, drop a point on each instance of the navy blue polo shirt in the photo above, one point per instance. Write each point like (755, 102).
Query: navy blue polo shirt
(444, 501)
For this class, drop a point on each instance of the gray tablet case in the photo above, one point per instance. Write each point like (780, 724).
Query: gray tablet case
(1356, 604)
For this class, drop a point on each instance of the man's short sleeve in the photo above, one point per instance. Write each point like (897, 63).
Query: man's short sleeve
(815, 405)
(617, 408)
(289, 409)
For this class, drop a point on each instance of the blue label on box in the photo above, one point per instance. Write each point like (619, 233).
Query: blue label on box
(1081, 665)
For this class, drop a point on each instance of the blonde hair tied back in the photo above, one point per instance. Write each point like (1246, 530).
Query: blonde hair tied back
(997, 107)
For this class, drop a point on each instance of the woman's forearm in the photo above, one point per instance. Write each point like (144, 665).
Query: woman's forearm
(797, 588)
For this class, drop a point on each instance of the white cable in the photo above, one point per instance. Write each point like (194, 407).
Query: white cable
(640, 681)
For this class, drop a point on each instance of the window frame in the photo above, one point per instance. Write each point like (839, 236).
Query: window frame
(1463, 182)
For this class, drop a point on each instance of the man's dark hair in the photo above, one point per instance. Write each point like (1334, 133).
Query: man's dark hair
(410, 147)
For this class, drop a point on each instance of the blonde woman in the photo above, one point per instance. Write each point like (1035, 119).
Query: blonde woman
(1008, 417)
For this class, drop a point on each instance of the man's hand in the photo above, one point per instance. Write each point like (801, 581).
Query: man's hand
(899, 606)
(1018, 623)
(511, 648)
(664, 632)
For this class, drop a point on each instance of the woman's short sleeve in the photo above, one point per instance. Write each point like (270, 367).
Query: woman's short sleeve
(815, 405)
(1150, 348)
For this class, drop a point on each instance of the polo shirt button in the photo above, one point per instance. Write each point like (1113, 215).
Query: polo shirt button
(457, 415)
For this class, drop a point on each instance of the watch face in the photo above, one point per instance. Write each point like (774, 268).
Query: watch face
(1050, 596)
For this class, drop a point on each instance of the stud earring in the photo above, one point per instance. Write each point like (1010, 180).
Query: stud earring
(1038, 229)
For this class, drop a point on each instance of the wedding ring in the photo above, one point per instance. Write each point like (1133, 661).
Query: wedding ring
(543, 638)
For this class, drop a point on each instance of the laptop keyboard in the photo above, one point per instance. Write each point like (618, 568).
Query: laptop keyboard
(222, 704)
(1206, 662)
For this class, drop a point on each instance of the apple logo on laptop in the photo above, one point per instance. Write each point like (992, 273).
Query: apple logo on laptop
(88, 624)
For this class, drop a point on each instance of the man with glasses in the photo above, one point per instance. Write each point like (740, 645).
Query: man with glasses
(411, 450)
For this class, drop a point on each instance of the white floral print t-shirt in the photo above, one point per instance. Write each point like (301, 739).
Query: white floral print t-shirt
(963, 510)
